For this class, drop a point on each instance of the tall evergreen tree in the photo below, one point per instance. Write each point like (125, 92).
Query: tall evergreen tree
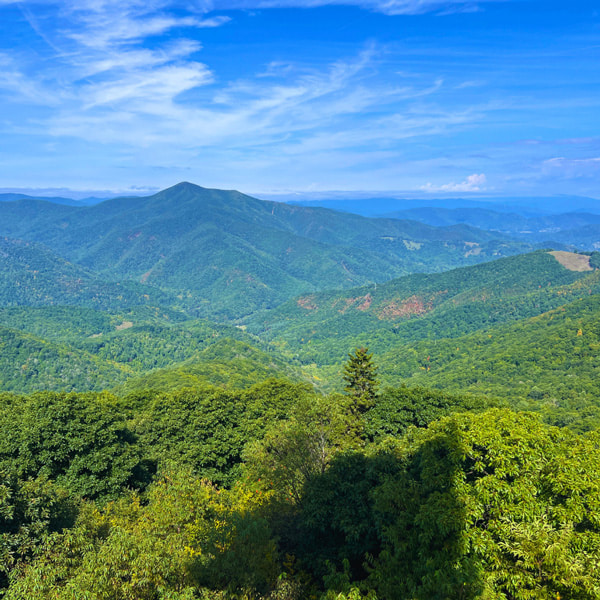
(360, 375)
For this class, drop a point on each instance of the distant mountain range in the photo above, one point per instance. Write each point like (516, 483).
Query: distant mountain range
(12, 197)
(578, 229)
(225, 255)
(375, 206)
(552, 222)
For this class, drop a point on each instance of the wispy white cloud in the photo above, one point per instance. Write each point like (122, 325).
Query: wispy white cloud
(310, 112)
(31, 90)
(389, 7)
(473, 183)
(130, 78)
(100, 56)
(469, 84)
(571, 168)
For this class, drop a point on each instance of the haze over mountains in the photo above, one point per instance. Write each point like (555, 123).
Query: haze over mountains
(567, 220)
(373, 206)
(12, 196)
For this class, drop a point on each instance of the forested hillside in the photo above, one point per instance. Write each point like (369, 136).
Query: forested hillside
(32, 275)
(318, 327)
(225, 254)
(102, 351)
(403, 321)
(433, 435)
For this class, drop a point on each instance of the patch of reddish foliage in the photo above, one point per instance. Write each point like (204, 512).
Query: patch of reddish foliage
(365, 303)
(307, 302)
(410, 307)
(368, 300)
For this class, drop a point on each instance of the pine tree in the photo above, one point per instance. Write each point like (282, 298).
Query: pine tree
(360, 375)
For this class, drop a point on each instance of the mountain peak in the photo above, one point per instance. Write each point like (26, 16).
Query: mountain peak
(184, 186)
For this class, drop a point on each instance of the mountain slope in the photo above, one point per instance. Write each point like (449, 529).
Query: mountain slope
(226, 363)
(32, 275)
(323, 327)
(554, 356)
(29, 363)
(407, 317)
(231, 254)
(130, 358)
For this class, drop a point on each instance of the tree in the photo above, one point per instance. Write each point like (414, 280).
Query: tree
(80, 441)
(488, 506)
(29, 511)
(360, 375)
(294, 451)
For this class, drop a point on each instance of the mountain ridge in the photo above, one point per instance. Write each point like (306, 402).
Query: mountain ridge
(228, 254)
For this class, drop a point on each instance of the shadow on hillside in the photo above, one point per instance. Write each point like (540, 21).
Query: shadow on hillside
(395, 519)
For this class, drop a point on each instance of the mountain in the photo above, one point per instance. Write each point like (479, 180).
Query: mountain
(226, 255)
(320, 329)
(377, 206)
(576, 229)
(12, 197)
(586, 237)
(492, 220)
(33, 275)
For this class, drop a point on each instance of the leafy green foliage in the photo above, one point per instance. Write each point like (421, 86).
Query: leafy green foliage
(490, 506)
(294, 451)
(226, 363)
(126, 357)
(28, 363)
(595, 260)
(207, 429)
(398, 409)
(187, 538)
(485, 504)
(29, 511)
(80, 441)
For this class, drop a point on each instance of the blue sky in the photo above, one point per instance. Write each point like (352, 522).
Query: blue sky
(415, 97)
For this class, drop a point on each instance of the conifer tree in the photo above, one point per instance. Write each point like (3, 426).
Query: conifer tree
(360, 375)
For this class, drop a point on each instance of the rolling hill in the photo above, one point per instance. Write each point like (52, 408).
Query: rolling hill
(33, 275)
(226, 255)
(422, 306)
(54, 350)
(409, 321)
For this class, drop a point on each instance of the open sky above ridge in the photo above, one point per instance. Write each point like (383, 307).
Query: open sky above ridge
(421, 96)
